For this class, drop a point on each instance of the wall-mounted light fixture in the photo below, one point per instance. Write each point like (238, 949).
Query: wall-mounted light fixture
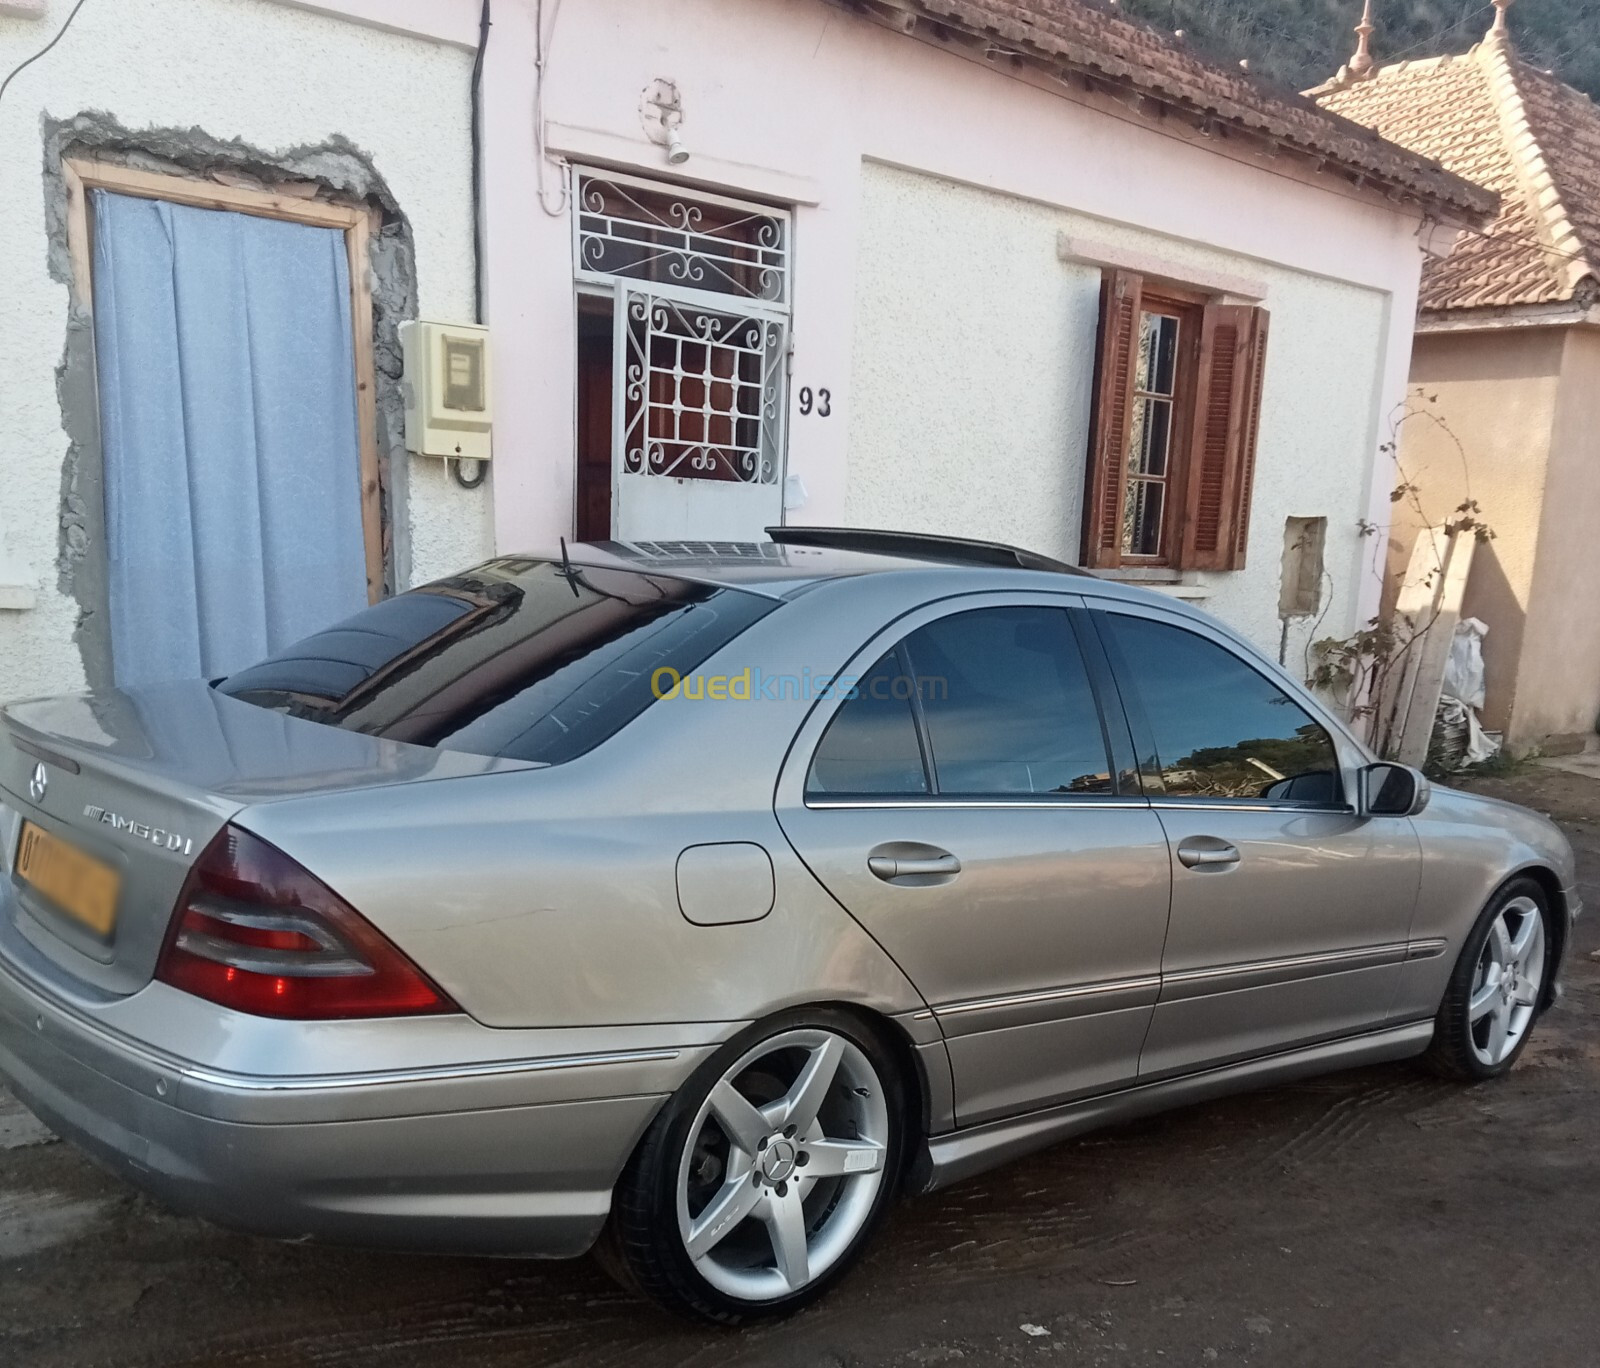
(661, 113)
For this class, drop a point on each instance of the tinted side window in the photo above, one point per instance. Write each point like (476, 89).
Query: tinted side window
(871, 746)
(1008, 705)
(1221, 729)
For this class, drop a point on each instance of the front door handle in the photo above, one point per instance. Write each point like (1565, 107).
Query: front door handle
(928, 863)
(1207, 852)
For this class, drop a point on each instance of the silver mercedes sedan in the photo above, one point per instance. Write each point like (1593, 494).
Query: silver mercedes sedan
(693, 900)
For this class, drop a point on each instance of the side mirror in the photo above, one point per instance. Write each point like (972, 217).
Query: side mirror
(1390, 790)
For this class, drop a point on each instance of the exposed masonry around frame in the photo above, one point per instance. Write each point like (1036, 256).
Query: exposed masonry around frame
(335, 164)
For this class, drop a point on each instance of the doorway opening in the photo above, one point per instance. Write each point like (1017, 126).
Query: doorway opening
(683, 346)
(596, 350)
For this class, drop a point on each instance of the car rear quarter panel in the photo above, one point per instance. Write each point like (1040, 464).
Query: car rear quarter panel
(1470, 846)
(549, 898)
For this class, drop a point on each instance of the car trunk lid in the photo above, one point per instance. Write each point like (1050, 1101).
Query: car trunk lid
(139, 781)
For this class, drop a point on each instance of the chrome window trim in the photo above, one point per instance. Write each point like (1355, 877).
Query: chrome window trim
(1170, 804)
(1055, 801)
(936, 801)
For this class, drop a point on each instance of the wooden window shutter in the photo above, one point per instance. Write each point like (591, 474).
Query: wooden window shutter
(1114, 380)
(1222, 453)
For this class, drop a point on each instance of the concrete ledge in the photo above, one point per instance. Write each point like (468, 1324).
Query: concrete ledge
(1089, 252)
(640, 155)
(17, 598)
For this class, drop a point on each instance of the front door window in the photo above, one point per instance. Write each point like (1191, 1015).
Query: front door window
(1219, 728)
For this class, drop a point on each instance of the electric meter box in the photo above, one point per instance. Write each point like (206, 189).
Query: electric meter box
(447, 396)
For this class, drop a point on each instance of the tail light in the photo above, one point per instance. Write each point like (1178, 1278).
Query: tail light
(255, 931)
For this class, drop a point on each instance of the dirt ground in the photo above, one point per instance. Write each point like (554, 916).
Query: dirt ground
(1375, 1217)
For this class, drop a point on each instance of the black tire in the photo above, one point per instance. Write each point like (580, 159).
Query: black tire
(643, 1245)
(1453, 1054)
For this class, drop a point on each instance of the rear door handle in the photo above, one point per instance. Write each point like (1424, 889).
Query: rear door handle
(1207, 852)
(890, 868)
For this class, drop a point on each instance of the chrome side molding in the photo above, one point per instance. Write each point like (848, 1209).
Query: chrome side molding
(947, 1159)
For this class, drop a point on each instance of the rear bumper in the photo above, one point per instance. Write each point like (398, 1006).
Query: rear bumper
(481, 1175)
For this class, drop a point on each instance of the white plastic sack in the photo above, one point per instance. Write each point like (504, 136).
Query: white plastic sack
(1463, 671)
(1459, 739)
(1480, 745)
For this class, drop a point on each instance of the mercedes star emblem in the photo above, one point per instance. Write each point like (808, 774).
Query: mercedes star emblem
(38, 783)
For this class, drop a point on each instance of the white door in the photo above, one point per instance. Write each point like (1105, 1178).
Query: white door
(697, 452)
(700, 356)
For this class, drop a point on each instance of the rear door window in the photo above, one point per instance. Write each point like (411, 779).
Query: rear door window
(1008, 706)
(519, 658)
(871, 746)
(1000, 701)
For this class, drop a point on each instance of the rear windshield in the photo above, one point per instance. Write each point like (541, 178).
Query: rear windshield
(520, 658)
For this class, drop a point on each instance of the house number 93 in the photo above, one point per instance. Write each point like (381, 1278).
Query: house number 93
(820, 402)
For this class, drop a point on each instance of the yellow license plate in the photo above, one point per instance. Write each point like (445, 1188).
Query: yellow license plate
(80, 885)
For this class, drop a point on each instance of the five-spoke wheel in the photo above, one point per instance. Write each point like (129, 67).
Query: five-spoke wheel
(764, 1177)
(1506, 986)
(1498, 987)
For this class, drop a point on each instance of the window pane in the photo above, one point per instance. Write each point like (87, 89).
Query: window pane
(1153, 434)
(1008, 704)
(519, 658)
(1141, 518)
(1158, 353)
(871, 745)
(1221, 728)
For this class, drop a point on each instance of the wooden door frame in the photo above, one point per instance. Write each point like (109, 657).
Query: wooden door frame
(358, 223)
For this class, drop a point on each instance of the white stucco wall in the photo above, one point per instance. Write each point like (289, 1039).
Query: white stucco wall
(276, 78)
(973, 362)
(797, 102)
(943, 326)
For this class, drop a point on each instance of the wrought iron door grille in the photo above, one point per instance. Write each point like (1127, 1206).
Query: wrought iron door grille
(632, 229)
(702, 392)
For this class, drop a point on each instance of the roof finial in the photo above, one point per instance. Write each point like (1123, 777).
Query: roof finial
(1361, 64)
(1500, 25)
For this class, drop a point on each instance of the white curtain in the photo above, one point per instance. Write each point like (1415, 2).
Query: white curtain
(227, 397)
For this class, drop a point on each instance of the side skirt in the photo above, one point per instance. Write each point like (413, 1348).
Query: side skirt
(947, 1159)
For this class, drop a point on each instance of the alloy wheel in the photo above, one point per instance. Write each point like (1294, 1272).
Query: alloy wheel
(783, 1164)
(1507, 982)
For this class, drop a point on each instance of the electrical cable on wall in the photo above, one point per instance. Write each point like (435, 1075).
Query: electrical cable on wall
(28, 62)
(541, 60)
(469, 481)
(485, 23)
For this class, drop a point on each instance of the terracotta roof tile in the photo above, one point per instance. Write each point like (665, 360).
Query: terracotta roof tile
(1095, 38)
(1492, 118)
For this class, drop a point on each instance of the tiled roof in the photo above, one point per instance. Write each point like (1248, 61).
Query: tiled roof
(1092, 37)
(1492, 118)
